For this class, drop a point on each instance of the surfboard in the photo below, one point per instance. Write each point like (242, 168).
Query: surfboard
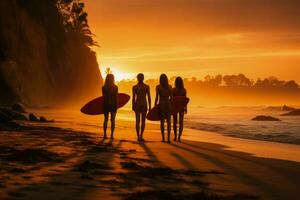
(95, 106)
(153, 114)
(177, 105)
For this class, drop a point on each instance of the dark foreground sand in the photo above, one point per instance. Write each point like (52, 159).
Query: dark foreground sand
(53, 163)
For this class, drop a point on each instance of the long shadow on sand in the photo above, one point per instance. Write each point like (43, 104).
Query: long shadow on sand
(150, 154)
(221, 149)
(233, 159)
(183, 161)
(161, 182)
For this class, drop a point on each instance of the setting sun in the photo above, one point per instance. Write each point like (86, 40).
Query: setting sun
(119, 74)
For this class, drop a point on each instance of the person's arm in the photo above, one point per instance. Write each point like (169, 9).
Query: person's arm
(156, 97)
(116, 95)
(133, 99)
(149, 97)
(185, 108)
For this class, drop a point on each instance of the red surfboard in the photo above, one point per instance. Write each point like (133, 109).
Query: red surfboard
(95, 106)
(153, 114)
(178, 104)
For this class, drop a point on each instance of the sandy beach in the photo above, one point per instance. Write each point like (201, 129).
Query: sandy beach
(39, 161)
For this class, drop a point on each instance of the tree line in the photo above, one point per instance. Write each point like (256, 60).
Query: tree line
(231, 81)
(231, 90)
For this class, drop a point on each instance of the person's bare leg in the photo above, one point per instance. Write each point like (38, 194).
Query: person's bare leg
(112, 120)
(137, 124)
(162, 129)
(105, 124)
(175, 126)
(169, 127)
(181, 118)
(143, 125)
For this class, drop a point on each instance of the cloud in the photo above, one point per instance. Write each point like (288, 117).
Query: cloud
(222, 15)
(156, 56)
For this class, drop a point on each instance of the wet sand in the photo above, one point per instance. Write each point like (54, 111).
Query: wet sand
(43, 162)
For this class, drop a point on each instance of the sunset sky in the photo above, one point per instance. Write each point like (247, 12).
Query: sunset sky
(260, 38)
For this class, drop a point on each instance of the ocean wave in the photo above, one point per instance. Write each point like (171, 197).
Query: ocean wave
(284, 133)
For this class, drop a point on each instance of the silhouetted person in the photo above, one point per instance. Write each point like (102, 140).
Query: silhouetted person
(179, 90)
(110, 92)
(163, 99)
(140, 94)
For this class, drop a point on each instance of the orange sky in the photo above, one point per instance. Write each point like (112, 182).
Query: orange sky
(197, 37)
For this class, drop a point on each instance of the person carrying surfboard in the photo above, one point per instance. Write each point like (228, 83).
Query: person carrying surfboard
(163, 101)
(110, 104)
(140, 95)
(179, 91)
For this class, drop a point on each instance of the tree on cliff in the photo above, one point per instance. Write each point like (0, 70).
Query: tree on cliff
(75, 21)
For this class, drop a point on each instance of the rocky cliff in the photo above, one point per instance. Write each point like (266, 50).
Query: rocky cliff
(42, 62)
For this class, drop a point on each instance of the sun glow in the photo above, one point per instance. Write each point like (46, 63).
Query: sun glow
(118, 73)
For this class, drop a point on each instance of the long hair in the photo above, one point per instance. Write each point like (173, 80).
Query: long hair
(109, 81)
(179, 83)
(163, 80)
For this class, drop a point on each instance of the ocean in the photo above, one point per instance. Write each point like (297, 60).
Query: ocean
(236, 122)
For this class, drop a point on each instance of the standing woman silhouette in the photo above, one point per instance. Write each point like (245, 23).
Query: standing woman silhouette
(179, 90)
(163, 100)
(140, 95)
(110, 92)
